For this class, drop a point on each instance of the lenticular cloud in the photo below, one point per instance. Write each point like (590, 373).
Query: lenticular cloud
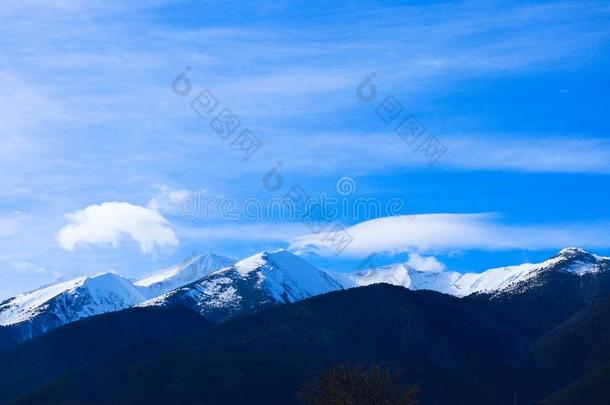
(441, 233)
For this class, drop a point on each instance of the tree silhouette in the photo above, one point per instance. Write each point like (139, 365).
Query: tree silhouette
(351, 385)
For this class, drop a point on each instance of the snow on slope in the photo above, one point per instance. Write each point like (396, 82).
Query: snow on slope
(264, 279)
(25, 306)
(402, 275)
(571, 260)
(182, 274)
(287, 277)
(68, 301)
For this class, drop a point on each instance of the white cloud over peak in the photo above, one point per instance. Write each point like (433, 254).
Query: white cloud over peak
(108, 222)
(424, 263)
(435, 233)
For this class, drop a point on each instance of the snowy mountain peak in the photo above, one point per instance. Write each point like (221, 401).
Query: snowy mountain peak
(261, 259)
(402, 275)
(578, 261)
(257, 281)
(571, 260)
(286, 276)
(219, 288)
(396, 274)
(67, 301)
(182, 274)
(573, 251)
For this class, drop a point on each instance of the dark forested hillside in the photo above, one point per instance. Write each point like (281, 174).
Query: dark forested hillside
(459, 351)
(538, 305)
(83, 343)
(447, 346)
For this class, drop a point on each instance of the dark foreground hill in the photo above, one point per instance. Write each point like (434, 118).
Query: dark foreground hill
(458, 351)
(577, 354)
(593, 388)
(83, 344)
(447, 346)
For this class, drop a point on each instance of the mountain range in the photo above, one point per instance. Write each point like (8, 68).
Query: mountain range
(253, 331)
(219, 288)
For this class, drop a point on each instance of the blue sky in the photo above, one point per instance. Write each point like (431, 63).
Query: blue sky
(97, 145)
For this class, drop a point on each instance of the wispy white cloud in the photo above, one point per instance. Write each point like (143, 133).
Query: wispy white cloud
(108, 222)
(25, 110)
(432, 233)
(372, 152)
(277, 76)
(88, 114)
(12, 223)
(168, 200)
(260, 232)
(528, 154)
(27, 267)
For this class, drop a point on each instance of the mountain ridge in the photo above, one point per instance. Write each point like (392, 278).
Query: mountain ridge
(258, 281)
(221, 287)
(182, 274)
(264, 356)
(493, 280)
(37, 311)
(475, 349)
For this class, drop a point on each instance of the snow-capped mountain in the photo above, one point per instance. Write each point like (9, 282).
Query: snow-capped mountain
(37, 311)
(570, 260)
(401, 275)
(261, 280)
(182, 274)
(51, 306)
(219, 289)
